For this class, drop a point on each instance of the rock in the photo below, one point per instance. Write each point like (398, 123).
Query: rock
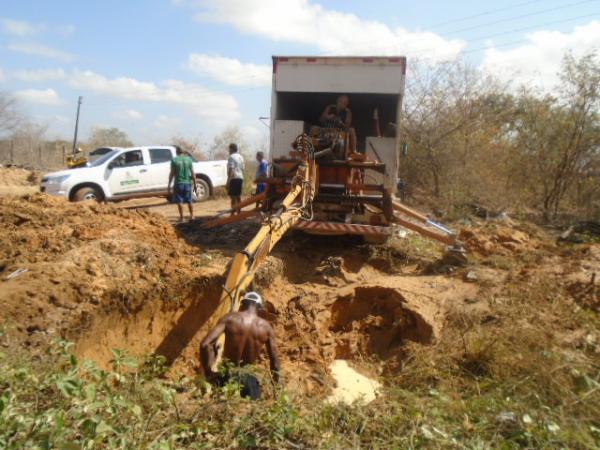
(471, 276)
(507, 419)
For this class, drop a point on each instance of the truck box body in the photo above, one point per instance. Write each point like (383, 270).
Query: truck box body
(304, 86)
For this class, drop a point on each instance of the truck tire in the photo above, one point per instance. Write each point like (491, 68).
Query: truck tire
(86, 193)
(203, 190)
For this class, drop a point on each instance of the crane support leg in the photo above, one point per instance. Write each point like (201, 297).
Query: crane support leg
(245, 263)
(448, 237)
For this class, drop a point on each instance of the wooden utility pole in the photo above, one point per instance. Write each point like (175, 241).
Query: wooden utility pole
(77, 123)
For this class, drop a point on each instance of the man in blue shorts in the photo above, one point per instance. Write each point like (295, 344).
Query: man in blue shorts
(182, 172)
(262, 172)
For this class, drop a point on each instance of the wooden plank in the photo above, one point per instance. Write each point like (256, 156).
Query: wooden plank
(446, 239)
(409, 212)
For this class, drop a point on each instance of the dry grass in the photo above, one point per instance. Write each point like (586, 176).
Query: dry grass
(517, 369)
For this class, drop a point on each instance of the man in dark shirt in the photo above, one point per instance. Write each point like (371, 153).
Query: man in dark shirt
(339, 116)
(245, 335)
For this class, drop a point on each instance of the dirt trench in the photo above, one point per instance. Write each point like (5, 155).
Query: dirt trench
(171, 328)
(108, 279)
(329, 313)
(353, 308)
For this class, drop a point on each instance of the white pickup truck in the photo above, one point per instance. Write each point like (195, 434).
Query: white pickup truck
(125, 173)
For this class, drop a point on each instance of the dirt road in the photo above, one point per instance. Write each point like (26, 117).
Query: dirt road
(163, 207)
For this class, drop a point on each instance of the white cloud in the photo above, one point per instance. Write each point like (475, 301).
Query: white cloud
(2, 76)
(128, 114)
(32, 48)
(229, 70)
(205, 103)
(333, 32)
(66, 30)
(254, 134)
(164, 121)
(20, 28)
(38, 75)
(39, 96)
(60, 118)
(538, 61)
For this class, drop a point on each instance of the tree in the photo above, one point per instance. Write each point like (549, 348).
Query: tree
(558, 138)
(190, 145)
(10, 117)
(453, 117)
(108, 137)
(220, 146)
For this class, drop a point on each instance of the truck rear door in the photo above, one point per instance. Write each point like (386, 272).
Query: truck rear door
(160, 167)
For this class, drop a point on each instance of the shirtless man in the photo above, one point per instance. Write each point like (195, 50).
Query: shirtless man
(245, 335)
(339, 116)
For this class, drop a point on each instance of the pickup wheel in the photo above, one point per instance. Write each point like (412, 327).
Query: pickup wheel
(86, 193)
(202, 191)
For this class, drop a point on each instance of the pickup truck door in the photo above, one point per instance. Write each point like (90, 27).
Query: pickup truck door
(128, 173)
(215, 170)
(160, 167)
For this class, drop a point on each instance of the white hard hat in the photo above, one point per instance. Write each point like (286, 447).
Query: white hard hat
(253, 297)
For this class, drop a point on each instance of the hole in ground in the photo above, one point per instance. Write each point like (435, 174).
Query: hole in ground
(375, 321)
(159, 325)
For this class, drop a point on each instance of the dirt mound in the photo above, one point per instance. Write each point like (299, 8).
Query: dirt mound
(497, 240)
(73, 270)
(364, 315)
(15, 176)
(583, 277)
(376, 321)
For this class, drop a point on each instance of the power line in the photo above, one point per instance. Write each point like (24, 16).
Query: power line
(515, 30)
(484, 13)
(509, 19)
(522, 16)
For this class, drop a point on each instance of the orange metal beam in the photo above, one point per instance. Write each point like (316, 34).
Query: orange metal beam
(243, 215)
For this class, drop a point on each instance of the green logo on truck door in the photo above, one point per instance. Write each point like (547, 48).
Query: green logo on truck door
(129, 182)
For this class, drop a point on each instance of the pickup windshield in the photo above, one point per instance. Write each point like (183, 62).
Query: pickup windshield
(103, 159)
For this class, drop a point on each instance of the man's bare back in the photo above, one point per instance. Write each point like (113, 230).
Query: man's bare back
(245, 335)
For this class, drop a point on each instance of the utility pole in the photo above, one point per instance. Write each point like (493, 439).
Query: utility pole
(77, 123)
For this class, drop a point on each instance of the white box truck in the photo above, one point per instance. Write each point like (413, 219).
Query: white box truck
(303, 86)
(353, 190)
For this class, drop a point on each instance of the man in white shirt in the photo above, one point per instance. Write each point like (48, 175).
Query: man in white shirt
(235, 177)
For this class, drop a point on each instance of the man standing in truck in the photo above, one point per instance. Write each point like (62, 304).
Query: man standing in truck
(245, 335)
(235, 177)
(182, 172)
(339, 116)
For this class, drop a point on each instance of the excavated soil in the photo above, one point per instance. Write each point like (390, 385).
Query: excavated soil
(15, 176)
(101, 277)
(498, 239)
(106, 278)
(16, 181)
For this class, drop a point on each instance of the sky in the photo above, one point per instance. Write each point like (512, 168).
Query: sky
(191, 68)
